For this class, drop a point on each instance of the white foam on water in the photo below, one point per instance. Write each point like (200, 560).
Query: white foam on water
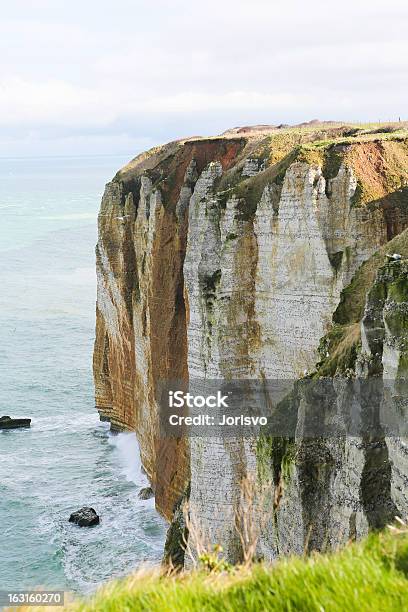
(128, 448)
(58, 422)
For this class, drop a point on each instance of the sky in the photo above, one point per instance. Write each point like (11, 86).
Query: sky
(116, 77)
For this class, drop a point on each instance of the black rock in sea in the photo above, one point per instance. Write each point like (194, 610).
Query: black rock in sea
(7, 422)
(146, 493)
(85, 517)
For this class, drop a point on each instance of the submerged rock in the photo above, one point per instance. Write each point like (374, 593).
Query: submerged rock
(7, 422)
(146, 493)
(85, 517)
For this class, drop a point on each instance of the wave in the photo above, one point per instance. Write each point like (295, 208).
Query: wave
(61, 422)
(128, 448)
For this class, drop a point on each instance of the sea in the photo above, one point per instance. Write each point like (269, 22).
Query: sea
(68, 458)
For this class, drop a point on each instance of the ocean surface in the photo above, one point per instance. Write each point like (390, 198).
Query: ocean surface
(48, 211)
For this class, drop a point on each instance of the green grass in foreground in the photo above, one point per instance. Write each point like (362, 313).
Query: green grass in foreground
(371, 575)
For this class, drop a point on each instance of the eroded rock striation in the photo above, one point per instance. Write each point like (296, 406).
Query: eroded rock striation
(255, 255)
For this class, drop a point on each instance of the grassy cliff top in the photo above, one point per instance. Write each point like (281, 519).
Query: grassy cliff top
(370, 575)
(377, 153)
(274, 142)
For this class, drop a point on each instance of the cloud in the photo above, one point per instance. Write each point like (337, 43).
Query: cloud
(62, 104)
(54, 102)
(142, 70)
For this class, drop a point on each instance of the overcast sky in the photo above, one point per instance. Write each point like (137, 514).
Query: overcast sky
(105, 76)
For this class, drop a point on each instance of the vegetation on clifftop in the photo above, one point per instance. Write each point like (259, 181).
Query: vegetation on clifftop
(370, 575)
(378, 154)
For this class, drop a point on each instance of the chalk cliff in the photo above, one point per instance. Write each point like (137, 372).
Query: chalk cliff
(242, 257)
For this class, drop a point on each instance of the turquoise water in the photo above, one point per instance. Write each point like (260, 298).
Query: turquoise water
(48, 210)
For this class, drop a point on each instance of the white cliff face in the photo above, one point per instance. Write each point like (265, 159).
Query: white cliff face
(269, 285)
(202, 262)
(218, 285)
(297, 285)
(261, 294)
(295, 289)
